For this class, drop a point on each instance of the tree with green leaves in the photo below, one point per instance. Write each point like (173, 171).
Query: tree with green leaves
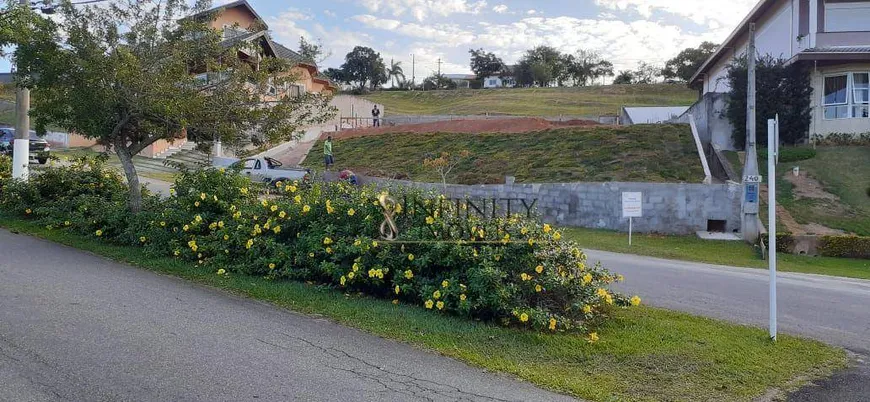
(646, 73)
(130, 73)
(485, 64)
(313, 52)
(585, 67)
(687, 62)
(541, 66)
(364, 68)
(624, 77)
(395, 71)
(438, 81)
(780, 89)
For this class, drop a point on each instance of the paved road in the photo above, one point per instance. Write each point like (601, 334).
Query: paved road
(77, 327)
(830, 309)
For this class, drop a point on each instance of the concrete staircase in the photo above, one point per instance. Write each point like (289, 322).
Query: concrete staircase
(186, 156)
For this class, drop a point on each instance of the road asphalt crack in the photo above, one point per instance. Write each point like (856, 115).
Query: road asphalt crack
(404, 384)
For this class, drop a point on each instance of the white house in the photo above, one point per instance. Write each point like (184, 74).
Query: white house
(505, 80)
(461, 80)
(832, 37)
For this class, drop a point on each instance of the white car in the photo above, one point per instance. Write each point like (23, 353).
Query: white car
(268, 170)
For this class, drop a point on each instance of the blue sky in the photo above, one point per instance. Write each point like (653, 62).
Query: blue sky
(623, 31)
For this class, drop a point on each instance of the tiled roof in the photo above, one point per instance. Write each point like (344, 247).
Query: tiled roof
(856, 49)
(286, 53)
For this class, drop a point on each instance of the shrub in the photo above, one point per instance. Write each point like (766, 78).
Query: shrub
(845, 246)
(842, 139)
(509, 270)
(5, 171)
(790, 154)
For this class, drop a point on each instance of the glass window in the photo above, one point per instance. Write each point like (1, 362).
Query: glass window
(861, 88)
(835, 89)
(249, 163)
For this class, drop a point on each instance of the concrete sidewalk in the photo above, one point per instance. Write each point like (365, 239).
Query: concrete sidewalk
(77, 327)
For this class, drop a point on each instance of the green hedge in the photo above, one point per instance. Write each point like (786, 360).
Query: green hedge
(787, 155)
(845, 246)
(843, 139)
(830, 246)
(512, 271)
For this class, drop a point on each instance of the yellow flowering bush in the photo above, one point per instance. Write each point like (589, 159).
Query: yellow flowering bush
(510, 270)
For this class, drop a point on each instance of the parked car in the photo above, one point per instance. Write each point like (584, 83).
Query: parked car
(268, 170)
(39, 148)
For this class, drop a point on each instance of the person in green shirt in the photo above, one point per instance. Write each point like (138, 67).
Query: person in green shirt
(327, 152)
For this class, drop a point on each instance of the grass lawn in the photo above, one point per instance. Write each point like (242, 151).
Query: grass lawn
(644, 353)
(842, 171)
(733, 253)
(584, 101)
(647, 153)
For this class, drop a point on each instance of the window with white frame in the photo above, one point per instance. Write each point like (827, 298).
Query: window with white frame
(847, 96)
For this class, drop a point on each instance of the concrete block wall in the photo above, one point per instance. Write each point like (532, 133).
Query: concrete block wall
(670, 208)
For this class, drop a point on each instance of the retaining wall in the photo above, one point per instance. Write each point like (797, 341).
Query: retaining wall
(672, 208)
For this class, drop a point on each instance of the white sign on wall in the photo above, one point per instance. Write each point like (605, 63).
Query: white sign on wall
(632, 205)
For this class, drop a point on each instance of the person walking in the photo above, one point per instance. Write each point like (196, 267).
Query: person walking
(376, 117)
(328, 159)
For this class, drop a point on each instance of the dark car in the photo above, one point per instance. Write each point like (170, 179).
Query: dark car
(39, 148)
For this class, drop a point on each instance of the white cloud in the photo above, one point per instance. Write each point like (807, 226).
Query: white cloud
(445, 33)
(531, 12)
(284, 27)
(501, 8)
(713, 14)
(329, 13)
(421, 9)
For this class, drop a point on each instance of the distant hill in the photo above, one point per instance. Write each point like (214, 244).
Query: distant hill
(583, 101)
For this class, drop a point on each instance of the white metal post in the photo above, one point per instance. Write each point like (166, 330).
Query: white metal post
(629, 231)
(771, 216)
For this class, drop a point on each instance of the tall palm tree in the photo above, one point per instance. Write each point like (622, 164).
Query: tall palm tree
(395, 70)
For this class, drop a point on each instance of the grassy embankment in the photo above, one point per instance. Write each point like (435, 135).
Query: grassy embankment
(584, 101)
(646, 153)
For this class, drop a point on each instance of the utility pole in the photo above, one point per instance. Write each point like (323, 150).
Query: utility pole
(751, 179)
(439, 66)
(21, 146)
(413, 72)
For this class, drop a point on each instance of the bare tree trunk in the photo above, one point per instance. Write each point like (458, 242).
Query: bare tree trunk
(135, 201)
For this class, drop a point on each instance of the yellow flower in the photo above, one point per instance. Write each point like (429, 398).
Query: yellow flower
(481, 233)
(176, 252)
(311, 255)
(357, 242)
(66, 223)
(162, 223)
(197, 218)
(329, 250)
(297, 199)
(398, 289)
(292, 189)
(244, 190)
(429, 304)
(587, 309)
(27, 211)
(327, 241)
(395, 301)
(539, 269)
(410, 257)
(635, 301)
(271, 265)
(196, 204)
(355, 267)
(264, 203)
(221, 271)
(436, 294)
(330, 209)
(587, 279)
(538, 288)
(249, 244)
(440, 305)
(524, 317)
(226, 237)
(374, 243)
(273, 208)
(593, 337)
(350, 275)
(601, 292)
(99, 232)
(282, 214)
(557, 236)
(552, 324)
(608, 299)
(212, 226)
(531, 241)
(202, 196)
(547, 228)
(524, 230)
(463, 297)
(306, 208)
(524, 276)
(445, 284)
(277, 229)
(142, 239)
(409, 274)
(351, 212)
(343, 280)
(430, 220)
